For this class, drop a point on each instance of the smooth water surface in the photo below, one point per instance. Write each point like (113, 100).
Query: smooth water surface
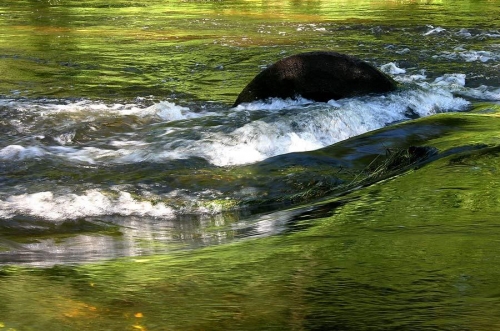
(133, 197)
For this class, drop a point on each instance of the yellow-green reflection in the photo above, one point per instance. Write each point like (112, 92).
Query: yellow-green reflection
(204, 49)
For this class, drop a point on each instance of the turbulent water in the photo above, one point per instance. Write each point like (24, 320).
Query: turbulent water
(117, 139)
(75, 153)
(78, 139)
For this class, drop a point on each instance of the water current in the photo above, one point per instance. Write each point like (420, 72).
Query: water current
(118, 141)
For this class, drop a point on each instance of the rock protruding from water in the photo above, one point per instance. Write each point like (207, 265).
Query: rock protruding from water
(318, 76)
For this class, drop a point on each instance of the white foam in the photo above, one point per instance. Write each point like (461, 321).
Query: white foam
(255, 131)
(392, 68)
(459, 53)
(410, 78)
(450, 80)
(480, 93)
(405, 50)
(92, 203)
(163, 110)
(455, 83)
(317, 125)
(495, 34)
(282, 126)
(20, 153)
(481, 56)
(64, 138)
(167, 111)
(468, 34)
(274, 104)
(129, 153)
(464, 33)
(434, 30)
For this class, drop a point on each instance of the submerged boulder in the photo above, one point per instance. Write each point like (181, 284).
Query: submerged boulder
(318, 76)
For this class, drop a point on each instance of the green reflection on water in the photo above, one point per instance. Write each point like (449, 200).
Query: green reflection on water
(419, 251)
(203, 50)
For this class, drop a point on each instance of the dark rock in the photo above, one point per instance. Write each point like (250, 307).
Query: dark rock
(318, 76)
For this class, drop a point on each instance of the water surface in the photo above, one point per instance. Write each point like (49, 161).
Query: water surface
(151, 204)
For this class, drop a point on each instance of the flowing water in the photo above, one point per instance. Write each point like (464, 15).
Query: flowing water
(133, 196)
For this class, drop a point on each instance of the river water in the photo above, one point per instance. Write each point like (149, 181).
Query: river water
(118, 139)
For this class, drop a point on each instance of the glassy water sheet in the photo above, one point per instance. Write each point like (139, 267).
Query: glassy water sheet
(46, 244)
